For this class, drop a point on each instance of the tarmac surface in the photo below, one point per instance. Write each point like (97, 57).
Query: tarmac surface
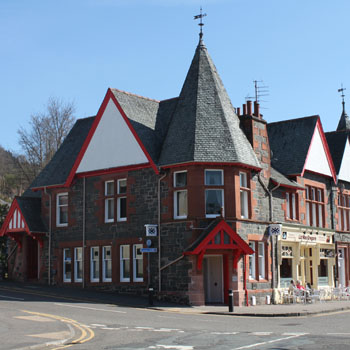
(87, 295)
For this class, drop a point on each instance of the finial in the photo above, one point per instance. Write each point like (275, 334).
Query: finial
(201, 24)
(342, 95)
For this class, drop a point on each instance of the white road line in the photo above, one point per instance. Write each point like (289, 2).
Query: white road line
(224, 333)
(178, 347)
(268, 342)
(145, 328)
(98, 325)
(90, 308)
(6, 296)
(111, 329)
(263, 333)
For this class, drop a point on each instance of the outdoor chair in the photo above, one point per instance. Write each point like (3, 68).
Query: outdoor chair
(317, 295)
(299, 295)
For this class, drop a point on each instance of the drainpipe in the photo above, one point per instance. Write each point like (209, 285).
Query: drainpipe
(159, 231)
(83, 249)
(269, 193)
(50, 233)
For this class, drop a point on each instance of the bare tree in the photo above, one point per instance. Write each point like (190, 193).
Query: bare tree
(45, 135)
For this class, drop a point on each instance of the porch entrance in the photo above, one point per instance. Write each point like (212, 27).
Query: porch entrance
(32, 258)
(213, 279)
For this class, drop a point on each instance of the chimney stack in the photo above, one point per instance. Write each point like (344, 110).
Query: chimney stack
(238, 110)
(249, 107)
(244, 109)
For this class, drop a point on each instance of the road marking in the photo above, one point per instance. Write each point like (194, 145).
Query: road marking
(178, 347)
(145, 328)
(261, 333)
(224, 333)
(86, 333)
(269, 342)
(98, 325)
(52, 335)
(90, 308)
(6, 296)
(35, 318)
(111, 329)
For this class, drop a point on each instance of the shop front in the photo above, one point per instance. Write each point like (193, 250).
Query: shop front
(306, 255)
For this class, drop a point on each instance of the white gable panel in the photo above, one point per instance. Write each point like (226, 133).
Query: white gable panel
(344, 171)
(112, 145)
(317, 160)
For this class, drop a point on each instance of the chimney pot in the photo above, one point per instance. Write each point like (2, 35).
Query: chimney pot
(244, 109)
(238, 111)
(256, 109)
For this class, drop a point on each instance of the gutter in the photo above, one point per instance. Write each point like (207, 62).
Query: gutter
(159, 232)
(50, 233)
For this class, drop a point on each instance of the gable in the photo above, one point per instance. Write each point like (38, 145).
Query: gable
(344, 171)
(318, 159)
(14, 221)
(112, 144)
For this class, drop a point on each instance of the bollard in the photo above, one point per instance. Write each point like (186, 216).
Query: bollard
(230, 300)
(150, 296)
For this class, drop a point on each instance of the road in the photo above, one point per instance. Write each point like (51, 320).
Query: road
(32, 321)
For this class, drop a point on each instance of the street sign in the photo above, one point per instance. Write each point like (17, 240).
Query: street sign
(148, 250)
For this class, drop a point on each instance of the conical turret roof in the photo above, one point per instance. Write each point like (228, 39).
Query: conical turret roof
(344, 122)
(204, 126)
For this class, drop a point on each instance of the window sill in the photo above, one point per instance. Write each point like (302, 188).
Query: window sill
(212, 216)
(180, 217)
(61, 225)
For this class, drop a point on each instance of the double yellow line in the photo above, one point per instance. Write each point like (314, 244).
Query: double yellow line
(86, 333)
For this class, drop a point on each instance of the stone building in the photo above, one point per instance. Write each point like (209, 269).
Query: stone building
(183, 195)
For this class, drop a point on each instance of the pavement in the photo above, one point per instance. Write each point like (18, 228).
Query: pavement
(72, 294)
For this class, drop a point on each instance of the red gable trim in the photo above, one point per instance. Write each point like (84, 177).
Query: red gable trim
(211, 163)
(109, 96)
(5, 229)
(236, 241)
(319, 128)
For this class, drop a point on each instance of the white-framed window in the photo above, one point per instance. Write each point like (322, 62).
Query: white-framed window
(125, 263)
(137, 263)
(257, 261)
(107, 264)
(109, 201)
(67, 265)
(261, 249)
(62, 209)
(180, 195)
(252, 274)
(344, 212)
(95, 264)
(78, 264)
(121, 198)
(291, 206)
(315, 206)
(244, 194)
(214, 197)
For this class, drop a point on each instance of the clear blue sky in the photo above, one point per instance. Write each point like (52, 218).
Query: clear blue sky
(76, 49)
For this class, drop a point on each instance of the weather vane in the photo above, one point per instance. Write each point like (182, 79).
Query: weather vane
(342, 95)
(201, 24)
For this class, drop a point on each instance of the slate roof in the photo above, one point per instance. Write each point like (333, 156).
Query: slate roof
(337, 141)
(289, 142)
(344, 122)
(279, 178)
(149, 118)
(31, 211)
(57, 170)
(204, 126)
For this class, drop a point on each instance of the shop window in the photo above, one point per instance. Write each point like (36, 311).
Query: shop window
(67, 265)
(323, 273)
(107, 264)
(109, 201)
(244, 194)
(78, 264)
(121, 198)
(344, 212)
(315, 206)
(286, 267)
(257, 261)
(62, 209)
(214, 197)
(124, 263)
(180, 195)
(291, 206)
(95, 264)
(137, 263)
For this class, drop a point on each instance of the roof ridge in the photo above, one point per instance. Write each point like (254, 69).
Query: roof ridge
(132, 94)
(169, 99)
(294, 119)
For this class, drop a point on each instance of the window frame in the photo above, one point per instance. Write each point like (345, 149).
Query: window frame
(65, 261)
(92, 260)
(214, 187)
(256, 258)
(177, 191)
(109, 198)
(292, 206)
(343, 212)
(58, 209)
(121, 260)
(315, 206)
(104, 259)
(120, 197)
(76, 267)
(245, 190)
(135, 258)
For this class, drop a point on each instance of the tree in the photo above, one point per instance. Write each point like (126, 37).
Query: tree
(45, 135)
(3, 241)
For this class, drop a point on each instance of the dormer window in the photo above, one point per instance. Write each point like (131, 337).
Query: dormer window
(214, 196)
(180, 195)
